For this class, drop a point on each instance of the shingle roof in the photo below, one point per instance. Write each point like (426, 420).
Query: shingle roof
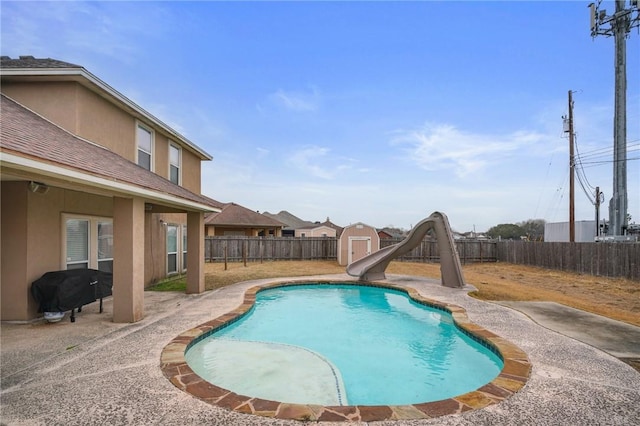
(31, 62)
(330, 224)
(237, 215)
(28, 135)
(289, 219)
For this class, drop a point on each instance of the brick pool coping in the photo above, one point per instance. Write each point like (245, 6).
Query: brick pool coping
(512, 378)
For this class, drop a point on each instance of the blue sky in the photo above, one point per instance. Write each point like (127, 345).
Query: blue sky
(374, 112)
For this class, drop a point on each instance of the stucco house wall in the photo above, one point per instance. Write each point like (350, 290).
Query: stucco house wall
(318, 231)
(32, 238)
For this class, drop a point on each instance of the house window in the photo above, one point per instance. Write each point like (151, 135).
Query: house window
(172, 249)
(184, 248)
(77, 232)
(144, 139)
(105, 246)
(88, 243)
(174, 164)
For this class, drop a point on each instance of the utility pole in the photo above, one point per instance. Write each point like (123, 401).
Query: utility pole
(572, 164)
(618, 25)
(597, 203)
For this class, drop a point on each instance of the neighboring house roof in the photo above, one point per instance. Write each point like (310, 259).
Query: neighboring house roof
(28, 68)
(31, 143)
(314, 226)
(290, 220)
(233, 214)
(213, 202)
(333, 225)
(390, 233)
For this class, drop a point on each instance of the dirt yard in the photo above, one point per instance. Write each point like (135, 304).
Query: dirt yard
(615, 298)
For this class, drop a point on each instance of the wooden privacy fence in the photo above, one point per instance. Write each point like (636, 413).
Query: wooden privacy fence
(235, 249)
(602, 258)
(613, 259)
(469, 251)
(251, 249)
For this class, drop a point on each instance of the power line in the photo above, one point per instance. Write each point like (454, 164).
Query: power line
(601, 152)
(578, 162)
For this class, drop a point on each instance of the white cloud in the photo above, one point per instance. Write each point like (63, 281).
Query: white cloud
(79, 29)
(442, 146)
(308, 159)
(296, 101)
(320, 163)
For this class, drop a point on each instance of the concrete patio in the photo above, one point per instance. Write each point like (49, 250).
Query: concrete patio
(94, 371)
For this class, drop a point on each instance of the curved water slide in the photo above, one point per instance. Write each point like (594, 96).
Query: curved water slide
(372, 267)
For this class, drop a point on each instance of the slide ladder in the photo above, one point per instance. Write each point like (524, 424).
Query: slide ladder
(372, 267)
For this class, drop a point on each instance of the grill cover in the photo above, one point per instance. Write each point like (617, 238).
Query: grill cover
(60, 291)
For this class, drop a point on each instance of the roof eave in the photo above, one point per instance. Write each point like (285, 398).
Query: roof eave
(29, 165)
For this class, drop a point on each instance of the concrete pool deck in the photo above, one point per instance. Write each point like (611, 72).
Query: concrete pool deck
(96, 372)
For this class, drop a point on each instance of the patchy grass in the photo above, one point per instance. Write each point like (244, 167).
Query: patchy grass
(616, 298)
(178, 283)
(216, 276)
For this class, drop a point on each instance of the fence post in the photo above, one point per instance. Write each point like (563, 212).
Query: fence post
(464, 253)
(244, 252)
(224, 249)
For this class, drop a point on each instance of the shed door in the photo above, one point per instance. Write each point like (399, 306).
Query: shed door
(359, 247)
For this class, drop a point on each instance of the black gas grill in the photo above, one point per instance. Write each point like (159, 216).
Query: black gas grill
(61, 291)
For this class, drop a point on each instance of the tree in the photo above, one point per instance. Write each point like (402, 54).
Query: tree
(506, 231)
(533, 228)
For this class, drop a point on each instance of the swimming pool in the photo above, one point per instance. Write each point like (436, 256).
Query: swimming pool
(511, 378)
(344, 345)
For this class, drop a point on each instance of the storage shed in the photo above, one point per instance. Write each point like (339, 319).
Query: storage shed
(357, 241)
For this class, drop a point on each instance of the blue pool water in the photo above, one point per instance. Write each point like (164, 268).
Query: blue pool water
(370, 345)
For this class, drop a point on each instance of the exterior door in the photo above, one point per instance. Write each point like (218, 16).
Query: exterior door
(359, 247)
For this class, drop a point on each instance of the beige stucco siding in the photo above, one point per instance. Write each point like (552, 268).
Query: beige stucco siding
(44, 233)
(161, 152)
(30, 251)
(57, 101)
(191, 171)
(320, 231)
(128, 262)
(101, 122)
(155, 261)
(87, 204)
(15, 300)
